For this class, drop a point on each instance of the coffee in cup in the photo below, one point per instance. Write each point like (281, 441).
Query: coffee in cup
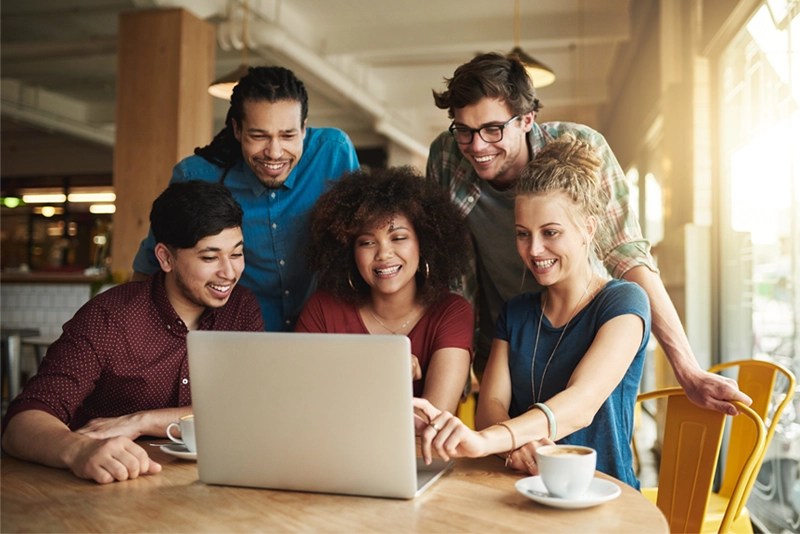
(186, 426)
(566, 470)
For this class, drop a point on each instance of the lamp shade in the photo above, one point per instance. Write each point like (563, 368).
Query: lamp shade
(540, 74)
(223, 87)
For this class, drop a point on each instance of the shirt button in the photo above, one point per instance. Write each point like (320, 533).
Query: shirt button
(272, 195)
(286, 292)
(287, 321)
(169, 327)
(470, 199)
(274, 225)
(282, 262)
(185, 381)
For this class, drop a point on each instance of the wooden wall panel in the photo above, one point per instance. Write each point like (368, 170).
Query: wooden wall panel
(165, 64)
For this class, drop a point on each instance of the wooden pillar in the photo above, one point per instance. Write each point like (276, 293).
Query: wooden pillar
(164, 66)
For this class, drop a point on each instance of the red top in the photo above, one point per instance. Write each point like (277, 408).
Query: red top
(124, 351)
(447, 323)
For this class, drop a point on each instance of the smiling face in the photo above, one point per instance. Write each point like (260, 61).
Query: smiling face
(552, 237)
(271, 134)
(498, 163)
(202, 276)
(387, 257)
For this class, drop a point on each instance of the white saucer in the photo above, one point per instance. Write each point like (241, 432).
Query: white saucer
(179, 451)
(600, 491)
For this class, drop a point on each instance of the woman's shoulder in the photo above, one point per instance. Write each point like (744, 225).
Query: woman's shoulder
(624, 287)
(324, 299)
(623, 292)
(450, 303)
(452, 299)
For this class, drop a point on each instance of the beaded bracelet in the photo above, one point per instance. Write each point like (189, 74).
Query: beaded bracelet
(513, 442)
(551, 419)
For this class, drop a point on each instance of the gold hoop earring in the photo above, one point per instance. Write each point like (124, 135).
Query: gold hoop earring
(350, 281)
(427, 269)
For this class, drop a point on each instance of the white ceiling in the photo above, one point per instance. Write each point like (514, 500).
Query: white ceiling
(370, 65)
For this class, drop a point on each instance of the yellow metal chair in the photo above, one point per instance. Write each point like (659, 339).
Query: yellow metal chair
(692, 442)
(758, 379)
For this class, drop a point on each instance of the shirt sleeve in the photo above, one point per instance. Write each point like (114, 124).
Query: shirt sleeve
(456, 325)
(433, 166)
(626, 247)
(312, 318)
(626, 298)
(69, 371)
(251, 316)
(342, 158)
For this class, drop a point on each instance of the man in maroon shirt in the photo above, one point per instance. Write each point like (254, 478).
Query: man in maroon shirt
(119, 369)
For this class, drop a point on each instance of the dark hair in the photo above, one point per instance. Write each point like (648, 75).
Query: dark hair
(270, 84)
(489, 75)
(371, 197)
(572, 166)
(186, 212)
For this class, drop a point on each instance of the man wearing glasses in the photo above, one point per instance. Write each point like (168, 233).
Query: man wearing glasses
(492, 138)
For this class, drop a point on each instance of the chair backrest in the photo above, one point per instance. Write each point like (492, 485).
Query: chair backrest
(692, 441)
(756, 378)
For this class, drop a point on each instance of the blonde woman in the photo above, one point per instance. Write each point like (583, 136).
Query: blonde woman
(566, 361)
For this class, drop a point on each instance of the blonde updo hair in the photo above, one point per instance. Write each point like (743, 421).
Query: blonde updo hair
(571, 166)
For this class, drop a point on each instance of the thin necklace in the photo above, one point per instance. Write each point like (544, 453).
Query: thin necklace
(398, 329)
(560, 337)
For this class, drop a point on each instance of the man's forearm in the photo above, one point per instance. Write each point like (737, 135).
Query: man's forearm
(666, 324)
(39, 437)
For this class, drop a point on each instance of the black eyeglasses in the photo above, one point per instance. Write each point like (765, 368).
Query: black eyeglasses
(491, 133)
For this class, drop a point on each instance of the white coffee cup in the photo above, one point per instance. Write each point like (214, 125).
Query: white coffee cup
(186, 426)
(566, 470)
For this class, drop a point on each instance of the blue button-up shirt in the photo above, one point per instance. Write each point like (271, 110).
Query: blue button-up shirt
(275, 225)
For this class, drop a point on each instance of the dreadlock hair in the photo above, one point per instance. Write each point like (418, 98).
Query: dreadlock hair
(269, 84)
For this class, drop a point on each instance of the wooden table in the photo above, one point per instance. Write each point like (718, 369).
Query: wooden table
(476, 496)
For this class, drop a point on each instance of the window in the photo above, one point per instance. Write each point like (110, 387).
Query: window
(759, 221)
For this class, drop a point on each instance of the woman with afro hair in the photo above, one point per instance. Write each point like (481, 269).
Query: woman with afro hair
(386, 246)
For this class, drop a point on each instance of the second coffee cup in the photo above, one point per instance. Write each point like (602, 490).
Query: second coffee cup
(186, 426)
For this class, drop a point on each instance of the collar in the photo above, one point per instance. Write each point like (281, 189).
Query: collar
(169, 317)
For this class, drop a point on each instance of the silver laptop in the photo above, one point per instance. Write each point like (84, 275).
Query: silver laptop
(325, 413)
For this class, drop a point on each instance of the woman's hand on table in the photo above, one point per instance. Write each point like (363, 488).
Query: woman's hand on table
(524, 459)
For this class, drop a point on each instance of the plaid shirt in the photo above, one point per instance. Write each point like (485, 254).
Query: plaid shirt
(626, 248)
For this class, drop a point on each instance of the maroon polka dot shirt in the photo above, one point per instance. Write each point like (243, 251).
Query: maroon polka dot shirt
(124, 351)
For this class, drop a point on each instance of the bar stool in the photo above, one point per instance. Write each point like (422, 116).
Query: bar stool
(39, 344)
(11, 355)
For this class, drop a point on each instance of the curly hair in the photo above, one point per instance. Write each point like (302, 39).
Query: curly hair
(369, 198)
(489, 76)
(572, 166)
(267, 84)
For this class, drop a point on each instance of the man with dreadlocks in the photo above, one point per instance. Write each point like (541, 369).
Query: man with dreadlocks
(276, 168)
